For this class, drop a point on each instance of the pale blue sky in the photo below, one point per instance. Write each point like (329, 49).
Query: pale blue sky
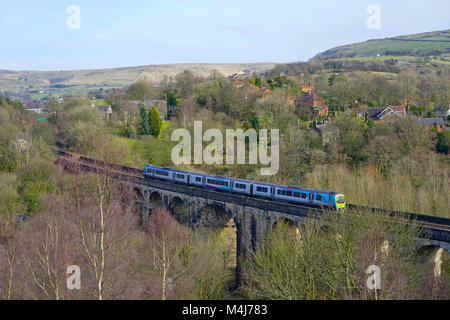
(34, 34)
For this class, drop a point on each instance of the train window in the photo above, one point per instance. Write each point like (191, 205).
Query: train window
(162, 173)
(289, 193)
(180, 176)
(318, 197)
(261, 189)
(209, 181)
(340, 199)
(240, 186)
(279, 191)
(304, 195)
(297, 194)
(198, 179)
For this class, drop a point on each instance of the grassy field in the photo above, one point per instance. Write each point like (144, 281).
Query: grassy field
(416, 44)
(384, 58)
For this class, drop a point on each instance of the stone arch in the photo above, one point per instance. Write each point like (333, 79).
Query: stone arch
(292, 225)
(179, 210)
(155, 201)
(216, 219)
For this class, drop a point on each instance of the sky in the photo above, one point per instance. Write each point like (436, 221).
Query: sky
(34, 35)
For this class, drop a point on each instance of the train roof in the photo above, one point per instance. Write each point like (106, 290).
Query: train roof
(164, 168)
(250, 181)
(294, 188)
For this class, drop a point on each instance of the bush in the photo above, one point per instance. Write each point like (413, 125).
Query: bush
(36, 178)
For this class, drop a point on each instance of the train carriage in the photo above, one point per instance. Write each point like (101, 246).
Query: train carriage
(293, 194)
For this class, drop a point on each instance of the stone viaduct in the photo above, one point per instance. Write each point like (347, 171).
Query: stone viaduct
(244, 220)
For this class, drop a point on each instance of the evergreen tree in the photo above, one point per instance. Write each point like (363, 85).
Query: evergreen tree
(155, 122)
(145, 124)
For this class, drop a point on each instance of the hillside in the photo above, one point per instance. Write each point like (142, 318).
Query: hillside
(35, 84)
(421, 44)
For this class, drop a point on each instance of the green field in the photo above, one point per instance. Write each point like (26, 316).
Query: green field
(423, 44)
(384, 58)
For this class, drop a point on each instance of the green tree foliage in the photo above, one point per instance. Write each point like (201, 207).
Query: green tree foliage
(443, 144)
(145, 120)
(9, 196)
(139, 89)
(331, 261)
(36, 179)
(350, 134)
(171, 98)
(155, 122)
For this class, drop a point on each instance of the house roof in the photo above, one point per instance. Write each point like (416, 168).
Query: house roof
(104, 108)
(442, 108)
(432, 121)
(374, 112)
(380, 113)
(398, 108)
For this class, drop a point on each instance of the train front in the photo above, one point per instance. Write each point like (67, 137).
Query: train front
(340, 201)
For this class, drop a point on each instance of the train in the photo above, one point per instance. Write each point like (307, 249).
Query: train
(292, 194)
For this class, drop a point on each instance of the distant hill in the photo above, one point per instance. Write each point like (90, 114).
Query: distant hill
(421, 44)
(37, 84)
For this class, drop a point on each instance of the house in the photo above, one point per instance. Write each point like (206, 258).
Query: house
(241, 75)
(377, 114)
(237, 84)
(104, 108)
(430, 123)
(307, 89)
(35, 107)
(442, 111)
(312, 101)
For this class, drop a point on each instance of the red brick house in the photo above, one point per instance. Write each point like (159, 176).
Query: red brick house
(430, 123)
(310, 100)
(377, 114)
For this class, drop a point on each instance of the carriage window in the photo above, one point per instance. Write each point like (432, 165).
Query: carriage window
(180, 176)
(261, 189)
(162, 173)
(289, 193)
(198, 179)
(297, 194)
(279, 191)
(318, 197)
(304, 195)
(240, 186)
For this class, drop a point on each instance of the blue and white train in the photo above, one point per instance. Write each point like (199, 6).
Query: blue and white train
(293, 194)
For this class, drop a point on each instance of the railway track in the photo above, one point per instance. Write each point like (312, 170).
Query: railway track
(433, 222)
